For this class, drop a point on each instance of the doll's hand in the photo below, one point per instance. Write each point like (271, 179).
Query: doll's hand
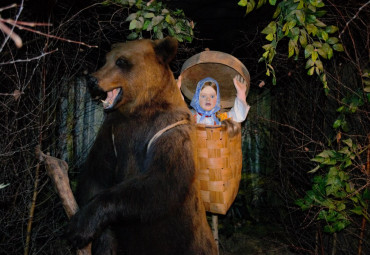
(241, 87)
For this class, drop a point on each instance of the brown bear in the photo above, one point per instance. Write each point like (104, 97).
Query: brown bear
(138, 194)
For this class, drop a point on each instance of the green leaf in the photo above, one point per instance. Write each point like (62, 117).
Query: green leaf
(314, 170)
(320, 4)
(292, 24)
(132, 16)
(159, 34)
(311, 70)
(323, 78)
(338, 47)
(309, 63)
(267, 47)
(348, 163)
(324, 35)
(300, 16)
(146, 24)
(329, 161)
(250, 7)
(243, 3)
(132, 36)
(149, 15)
(270, 28)
(270, 37)
(308, 50)
(337, 123)
(332, 40)
(156, 20)
(132, 24)
(366, 194)
(319, 23)
(165, 11)
(260, 3)
(340, 225)
(327, 154)
(330, 53)
(317, 44)
(341, 206)
(320, 13)
(319, 65)
(310, 19)
(314, 55)
(170, 20)
(344, 150)
(300, 5)
(272, 2)
(322, 53)
(277, 12)
(331, 29)
(348, 142)
(311, 29)
(303, 38)
(357, 210)
(291, 48)
(268, 72)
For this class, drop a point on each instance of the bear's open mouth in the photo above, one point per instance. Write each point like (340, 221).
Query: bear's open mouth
(113, 97)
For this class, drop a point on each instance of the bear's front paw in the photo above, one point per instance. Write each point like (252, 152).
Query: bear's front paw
(79, 231)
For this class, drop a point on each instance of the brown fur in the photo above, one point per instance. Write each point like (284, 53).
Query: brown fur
(135, 200)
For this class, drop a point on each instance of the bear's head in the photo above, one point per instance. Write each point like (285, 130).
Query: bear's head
(137, 74)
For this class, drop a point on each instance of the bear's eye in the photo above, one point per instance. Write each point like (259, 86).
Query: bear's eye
(122, 63)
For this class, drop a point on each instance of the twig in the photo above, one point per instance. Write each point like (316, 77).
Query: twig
(10, 33)
(32, 211)
(356, 15)
(28, 59)
(8, 7)
(16, 24)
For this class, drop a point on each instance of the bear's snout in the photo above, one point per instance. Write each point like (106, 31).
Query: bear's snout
(93, 85)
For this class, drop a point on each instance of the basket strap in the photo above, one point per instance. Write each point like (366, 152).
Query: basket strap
(160, 132)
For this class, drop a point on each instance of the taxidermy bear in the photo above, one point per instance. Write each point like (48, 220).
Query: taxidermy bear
(138, 194)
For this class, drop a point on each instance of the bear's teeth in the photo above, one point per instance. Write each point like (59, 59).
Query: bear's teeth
(106, 103)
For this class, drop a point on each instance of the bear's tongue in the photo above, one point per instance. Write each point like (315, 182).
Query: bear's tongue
(111, 96)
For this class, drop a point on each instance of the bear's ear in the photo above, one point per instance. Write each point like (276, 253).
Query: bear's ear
(166, 49)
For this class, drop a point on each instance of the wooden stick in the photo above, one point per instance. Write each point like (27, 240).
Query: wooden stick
(57, 170)
(215, 230)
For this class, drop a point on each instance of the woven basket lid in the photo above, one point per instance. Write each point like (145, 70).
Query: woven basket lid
(215, 64)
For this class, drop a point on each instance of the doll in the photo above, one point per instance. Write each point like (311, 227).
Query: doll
(206, 102)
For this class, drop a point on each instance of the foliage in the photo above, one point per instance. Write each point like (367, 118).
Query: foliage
(334, 193)
(366, 82)
(350, 104)
(154, 18)
(299, 22)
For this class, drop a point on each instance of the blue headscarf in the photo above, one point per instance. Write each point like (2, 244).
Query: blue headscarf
(195, 101)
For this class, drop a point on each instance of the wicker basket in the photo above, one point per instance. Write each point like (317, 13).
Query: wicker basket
(219, 165)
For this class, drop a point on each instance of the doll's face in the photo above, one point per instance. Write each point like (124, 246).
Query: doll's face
(207, 98)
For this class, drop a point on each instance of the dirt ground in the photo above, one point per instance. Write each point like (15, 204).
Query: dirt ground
(242, 244)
